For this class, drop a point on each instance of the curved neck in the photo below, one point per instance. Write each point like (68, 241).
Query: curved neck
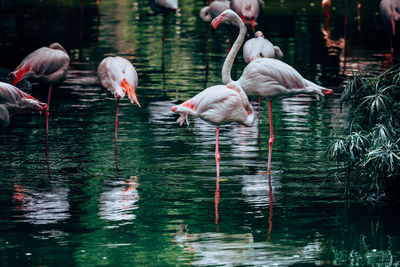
(230, 58)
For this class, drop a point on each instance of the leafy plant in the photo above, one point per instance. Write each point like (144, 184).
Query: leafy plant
(371, 150)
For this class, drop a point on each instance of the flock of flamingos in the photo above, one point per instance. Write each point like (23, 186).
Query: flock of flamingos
(265, 75)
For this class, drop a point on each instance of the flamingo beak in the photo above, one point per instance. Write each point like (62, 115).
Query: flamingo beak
(328, 92)
(173, 108)
(135, 98)
(215, 22)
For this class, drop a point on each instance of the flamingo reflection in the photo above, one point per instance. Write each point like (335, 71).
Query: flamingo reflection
(117, 202)
(42, 206)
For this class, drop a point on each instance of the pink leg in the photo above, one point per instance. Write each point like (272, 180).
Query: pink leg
(217, 156)
(271, 205)
(116, 130)
(47, 110)
(271, 136)
(216, 205)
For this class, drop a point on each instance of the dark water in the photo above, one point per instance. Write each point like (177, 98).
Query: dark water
(159, 207)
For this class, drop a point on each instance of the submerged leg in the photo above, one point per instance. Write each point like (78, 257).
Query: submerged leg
(47, 110)
(271, 136)
(116, 130)
(217, 156)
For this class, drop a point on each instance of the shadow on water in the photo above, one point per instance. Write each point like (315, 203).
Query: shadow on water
(64, 200)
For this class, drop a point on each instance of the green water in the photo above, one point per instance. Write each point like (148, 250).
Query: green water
(158, 207)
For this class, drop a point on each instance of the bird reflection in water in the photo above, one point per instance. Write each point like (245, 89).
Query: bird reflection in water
(116, 203)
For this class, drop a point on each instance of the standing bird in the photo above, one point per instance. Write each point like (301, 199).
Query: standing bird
(217, 105)
(13, 101)
(265, 77)
(119, 76)
(215, 8)
(326, 7)
(163, 6)
(259, 47)
(248, 10)
(47, 65)
(390, 11)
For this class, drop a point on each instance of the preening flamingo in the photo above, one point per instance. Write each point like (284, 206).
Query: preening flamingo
(217, 105)
(259, 47)
(119, 76)
(163, 6)
(265, 77)
(215, 8)
(248, 10)
(13, 101)
(47, 65)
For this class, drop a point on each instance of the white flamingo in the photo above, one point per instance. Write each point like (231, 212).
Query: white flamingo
(265, 77)
(47, 65)
(217, 105)
(259, 47)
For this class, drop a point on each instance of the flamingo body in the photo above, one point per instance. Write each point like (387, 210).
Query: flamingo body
(45, 65)
(248, 10)
(119, 76)
(259, 47)
(13, 101)
(163, 6)
(390, 11)
(217, 105)
(274, 79)
(215, 8)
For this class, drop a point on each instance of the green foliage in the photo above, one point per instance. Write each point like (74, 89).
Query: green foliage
(372, 151)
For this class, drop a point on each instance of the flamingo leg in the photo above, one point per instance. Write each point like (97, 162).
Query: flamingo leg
(271, 136)
(271, 206)
(216, 206)
(47, 110)
(217, 156)
(116, 131)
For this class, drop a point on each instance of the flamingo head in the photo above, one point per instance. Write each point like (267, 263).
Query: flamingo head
(227, 15)
(31, 103)
(259, 34)
(327, 91)
(174, 108)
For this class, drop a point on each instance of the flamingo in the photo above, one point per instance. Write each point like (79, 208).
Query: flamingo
(215, 8)
(218, 105)
(248, 10)
(47, 65)
(326, 6)
(265, 77)
(119, 76)
(390, 11)
(13, 101)
(259, 47)
(163, 6)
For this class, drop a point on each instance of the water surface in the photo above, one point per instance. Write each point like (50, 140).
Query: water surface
(73, 205)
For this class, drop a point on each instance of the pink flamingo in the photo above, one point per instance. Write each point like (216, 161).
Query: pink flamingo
(259, 47)
(326, 7)
(215, 8)
(163, 6)
(119, 76)
(265, 77)
(390, 11)
(217, 105)
(248, 10)
(13, 101)
(47, 65)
